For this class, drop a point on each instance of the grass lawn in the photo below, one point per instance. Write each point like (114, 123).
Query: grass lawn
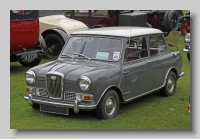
(150, 112)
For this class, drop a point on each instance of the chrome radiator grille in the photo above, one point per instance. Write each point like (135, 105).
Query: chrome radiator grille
(70, 96)
(54, 85)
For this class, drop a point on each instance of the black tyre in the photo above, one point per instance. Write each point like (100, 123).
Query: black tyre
(32, 63)
(165, 20)
(36, 106)
(108, 107)
(170, 85)
(188, 56)
(54, 46)
(171, 21)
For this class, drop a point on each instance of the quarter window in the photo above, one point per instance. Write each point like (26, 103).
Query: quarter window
(99, 13)
(137, 49)
(157, 44)
(81, 13)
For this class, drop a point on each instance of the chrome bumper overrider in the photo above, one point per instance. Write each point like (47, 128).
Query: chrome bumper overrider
(76, 104)
(186, 50)
(181, 74)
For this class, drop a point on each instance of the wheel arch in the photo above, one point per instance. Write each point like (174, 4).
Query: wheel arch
(173, 70)
(59, 32)
(115, 88)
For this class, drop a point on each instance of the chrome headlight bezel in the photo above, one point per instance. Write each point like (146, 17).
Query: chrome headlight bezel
(187, 38)
(85, 83)
(30, 77)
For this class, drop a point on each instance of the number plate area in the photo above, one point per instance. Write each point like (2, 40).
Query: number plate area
(53, 109)
(29, 57)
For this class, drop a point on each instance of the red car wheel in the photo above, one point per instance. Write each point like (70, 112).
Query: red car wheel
(185, 27)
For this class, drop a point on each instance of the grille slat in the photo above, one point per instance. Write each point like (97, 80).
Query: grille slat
(70, 96)
(54, 85)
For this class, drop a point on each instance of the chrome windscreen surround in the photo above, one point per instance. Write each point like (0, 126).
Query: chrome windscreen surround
(54, 85)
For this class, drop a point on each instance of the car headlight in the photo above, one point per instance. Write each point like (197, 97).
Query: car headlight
(187, 38)
(84, 83)
(30, 77)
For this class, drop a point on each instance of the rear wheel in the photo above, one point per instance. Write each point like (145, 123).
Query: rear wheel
(30, 62)
(54, 45)
(188, 56)
(170, 85)
(185, 27)
(171, 21)
(108, 107)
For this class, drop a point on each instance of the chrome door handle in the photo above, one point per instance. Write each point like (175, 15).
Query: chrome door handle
(125, 72)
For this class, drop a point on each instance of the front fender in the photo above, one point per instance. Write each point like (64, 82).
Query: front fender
(62, 34)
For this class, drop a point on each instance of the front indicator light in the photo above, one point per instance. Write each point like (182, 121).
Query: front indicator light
(88, 97)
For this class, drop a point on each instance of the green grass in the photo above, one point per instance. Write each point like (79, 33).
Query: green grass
(151, 112)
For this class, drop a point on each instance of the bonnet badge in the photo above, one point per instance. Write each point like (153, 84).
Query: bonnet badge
(53, 78)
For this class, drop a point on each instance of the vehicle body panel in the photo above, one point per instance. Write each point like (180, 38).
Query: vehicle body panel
(130, 79)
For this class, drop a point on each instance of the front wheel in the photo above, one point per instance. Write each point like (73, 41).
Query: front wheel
(108, 107)
(170, 85)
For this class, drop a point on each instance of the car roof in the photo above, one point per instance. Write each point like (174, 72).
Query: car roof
(119, 31)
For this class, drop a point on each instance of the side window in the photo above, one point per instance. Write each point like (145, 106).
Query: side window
(157, 44)
(67, 13)
(81, 12)
(99, 13)
(22, 12)
(137, 49)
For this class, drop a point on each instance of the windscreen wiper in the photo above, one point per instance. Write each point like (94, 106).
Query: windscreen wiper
(82, 56)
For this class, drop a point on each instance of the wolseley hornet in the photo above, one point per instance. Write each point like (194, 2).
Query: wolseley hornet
(102, 68)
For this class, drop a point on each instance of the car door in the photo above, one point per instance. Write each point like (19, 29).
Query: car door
(81, 15)
(137, 70)
(161, 58)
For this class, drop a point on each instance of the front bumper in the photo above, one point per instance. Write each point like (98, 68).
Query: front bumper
(76, 105)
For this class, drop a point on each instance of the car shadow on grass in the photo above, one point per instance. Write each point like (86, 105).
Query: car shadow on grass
(124, 108)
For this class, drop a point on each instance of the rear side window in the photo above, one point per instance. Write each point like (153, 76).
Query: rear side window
(137, 49)
(157, 44)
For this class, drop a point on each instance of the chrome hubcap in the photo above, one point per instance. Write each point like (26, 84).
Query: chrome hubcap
(110, 105)
(170, 84)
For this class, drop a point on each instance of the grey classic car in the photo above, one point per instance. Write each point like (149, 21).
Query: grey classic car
(187, 45)
(102, 68)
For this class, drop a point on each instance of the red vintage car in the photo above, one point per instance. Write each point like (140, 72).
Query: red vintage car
(165, 20)
(26, 44)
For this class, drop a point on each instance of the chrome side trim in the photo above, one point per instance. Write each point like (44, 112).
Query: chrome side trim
(143, 94)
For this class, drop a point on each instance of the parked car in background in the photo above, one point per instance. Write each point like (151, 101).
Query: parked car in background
(26, 43)
(102, 68)
(56, 28)
(185, 23)
(187, 45)
(189, 105)
(165, 20)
